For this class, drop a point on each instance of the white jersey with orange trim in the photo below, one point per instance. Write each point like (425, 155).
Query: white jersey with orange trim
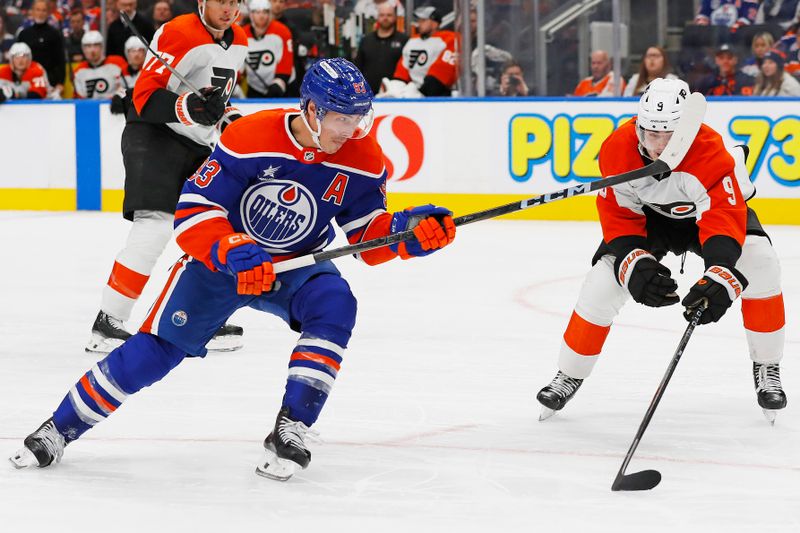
(710, 185)
(191, 50)
(268, 56)
(429, 56)
(100, 82)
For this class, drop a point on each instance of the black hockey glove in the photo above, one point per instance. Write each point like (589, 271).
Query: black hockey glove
(719, 286)
(191, 109)
(648, 281)
(275, 90)
(117, 105)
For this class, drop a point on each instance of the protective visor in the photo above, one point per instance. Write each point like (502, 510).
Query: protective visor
(347, 126)
(654, 141)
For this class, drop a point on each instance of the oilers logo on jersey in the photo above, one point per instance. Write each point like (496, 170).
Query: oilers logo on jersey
(277, 213)
(256, 58)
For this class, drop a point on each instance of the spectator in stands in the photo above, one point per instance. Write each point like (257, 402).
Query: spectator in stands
(781, 12)
(46, 44)
(118, 33)
(730, 13)
(655, 64)
(379, 51)
(23, 77)
(772, 80)
(162, 13)
(728, 79)
(762, 43)
(100, 76)
(512, 81)
(77, 27)
(92, 11)
(6, 39)
(601, 82)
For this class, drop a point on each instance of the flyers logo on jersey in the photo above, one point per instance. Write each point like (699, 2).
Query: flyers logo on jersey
(677, 209)
(278, 214)
(259, 58)
(97, 85)
(417, 57)
(403, 145)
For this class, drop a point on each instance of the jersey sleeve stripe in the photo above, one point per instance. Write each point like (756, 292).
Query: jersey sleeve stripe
(361, 222)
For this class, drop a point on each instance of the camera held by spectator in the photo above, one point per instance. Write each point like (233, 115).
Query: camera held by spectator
(511, 81)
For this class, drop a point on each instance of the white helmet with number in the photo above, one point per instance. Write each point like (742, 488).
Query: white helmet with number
(661, 104)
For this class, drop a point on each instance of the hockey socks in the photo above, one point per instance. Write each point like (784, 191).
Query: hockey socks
(313, 368)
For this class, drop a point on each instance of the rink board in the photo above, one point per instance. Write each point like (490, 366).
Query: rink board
(468, 154)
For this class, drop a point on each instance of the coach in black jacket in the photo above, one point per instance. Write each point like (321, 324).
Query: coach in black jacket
(380, 51)
(46, 44)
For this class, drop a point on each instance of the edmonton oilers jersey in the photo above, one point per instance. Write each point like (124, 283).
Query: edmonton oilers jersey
(260, 181)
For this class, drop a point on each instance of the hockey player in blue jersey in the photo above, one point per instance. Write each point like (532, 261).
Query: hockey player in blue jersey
(271, 190)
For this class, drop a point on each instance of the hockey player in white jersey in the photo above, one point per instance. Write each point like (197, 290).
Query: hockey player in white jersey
(99, 77)
(701, 208)
(429, 59)
(170, 131)
(270, 55)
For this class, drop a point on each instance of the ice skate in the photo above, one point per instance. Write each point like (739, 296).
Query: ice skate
(767, 379)
(107, 333)
(42, 447)
(555, 396)
(285, 448)
(228, 338)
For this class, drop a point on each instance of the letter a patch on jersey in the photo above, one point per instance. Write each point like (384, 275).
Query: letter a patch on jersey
(336, 189)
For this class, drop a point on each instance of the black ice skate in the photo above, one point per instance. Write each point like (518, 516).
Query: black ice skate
(555, 396)
(42, 447)
(285, 448)
(107, 333)
(767, 378)
(228, 338)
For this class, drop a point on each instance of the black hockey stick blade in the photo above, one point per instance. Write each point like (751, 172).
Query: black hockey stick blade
(644, 480)
(126, 20)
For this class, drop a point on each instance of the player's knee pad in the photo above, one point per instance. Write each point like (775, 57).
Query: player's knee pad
(759, 264)
(325, 308)
(149, 235)
(601, 297)
(141, 361)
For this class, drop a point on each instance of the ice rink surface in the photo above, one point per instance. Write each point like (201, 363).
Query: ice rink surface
(432, 425)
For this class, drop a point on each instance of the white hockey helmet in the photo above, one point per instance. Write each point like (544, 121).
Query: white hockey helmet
(133, 43)
(92, 37)
(20, 49)
(259, 5)
(661, 104)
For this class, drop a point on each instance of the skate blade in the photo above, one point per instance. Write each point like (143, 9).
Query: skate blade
(24, 458)
(770, 415)
(546, 413)
(100, 344)
(227, 343)
(274, 467)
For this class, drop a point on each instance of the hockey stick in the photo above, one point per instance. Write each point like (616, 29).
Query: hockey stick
(648, 479)
(129, 24)
(673, 154)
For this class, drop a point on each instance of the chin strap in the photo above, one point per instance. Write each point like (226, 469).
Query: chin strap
(314, 134)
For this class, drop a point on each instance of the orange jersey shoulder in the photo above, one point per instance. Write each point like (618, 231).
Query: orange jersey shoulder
(247, 135)
(6, 73)
(708, 159)
(361, 154)
(239, 36)
(119, 61)
(80, 66)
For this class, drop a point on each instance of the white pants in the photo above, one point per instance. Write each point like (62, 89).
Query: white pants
(601, 299)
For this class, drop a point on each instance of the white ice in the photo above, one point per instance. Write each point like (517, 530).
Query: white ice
(432, 425)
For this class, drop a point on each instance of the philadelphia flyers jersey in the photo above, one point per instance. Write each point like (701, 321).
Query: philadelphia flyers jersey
(34, 79)
(260, 181)
(710, 185)
(268, 56)
(190, 49)
(431, 56)
(102, 81)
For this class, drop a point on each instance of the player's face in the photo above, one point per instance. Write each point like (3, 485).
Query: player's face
(259, 18)
(20, 63)
(136, 57)
(221, 13)
(92, 52)
(337, 128)
(654, 142)
(426, 26)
